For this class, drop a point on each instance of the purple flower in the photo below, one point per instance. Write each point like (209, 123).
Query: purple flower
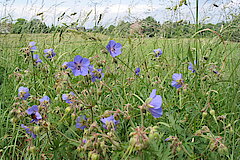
(137, 71)
(114, 48)
(191, 68)
(64, 65)
(216, 72)
(177, 80)
(37, 59)
(68, 97)
(49, 53)
(28, 131)
(84, 141)
(32, 46)
(109, 122)
(81, 122)
(154, 103)
(157, 52)
(79, 66)
(33, 111)
(23, 93)
(95, 73)
(44, 100)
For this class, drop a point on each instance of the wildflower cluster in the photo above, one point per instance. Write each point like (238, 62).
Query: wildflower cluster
(76, 114)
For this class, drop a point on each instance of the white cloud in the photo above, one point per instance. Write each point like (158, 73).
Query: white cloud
(112, 12)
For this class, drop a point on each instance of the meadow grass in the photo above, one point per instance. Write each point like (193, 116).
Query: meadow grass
(200, 119)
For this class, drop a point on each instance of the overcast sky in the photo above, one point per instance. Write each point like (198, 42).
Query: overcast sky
(113, 11)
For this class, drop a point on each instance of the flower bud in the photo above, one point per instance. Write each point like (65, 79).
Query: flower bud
(79, 149)
(212, 112)
(153, 136)
(68, 109)
(139, 146)
(222, 149)
(179, 148)
(148, 100)
(13, 120)
(32, 149)
(95, 156)
(36, 129)
(212, 146)
(204, 114)
(133, 141)
(99, 92)
(198, 133)
(231, 131)
(73, 116)
(205, 129)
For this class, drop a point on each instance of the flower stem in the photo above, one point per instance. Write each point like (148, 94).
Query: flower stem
(142, 117)
(34, 76)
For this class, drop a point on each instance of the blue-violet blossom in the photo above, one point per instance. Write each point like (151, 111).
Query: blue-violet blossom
(45, 100)
(23, 93)
(64, 65)
(177, 80)
(68, 97)
(137, 71)
(95, 73)
(33, 111)
(79, 66)
(32, 46)
(81, 122)
(37, 59)
(157, 52)
(114, 48)
(191, 68)
(154, 104)
(109, 122)
(49, 53)
(27, 129)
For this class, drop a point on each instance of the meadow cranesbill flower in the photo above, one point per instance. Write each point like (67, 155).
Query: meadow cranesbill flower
(68, 97)
(64, 65)
(33, 111)
(32, 46)
(44, 100)
(27, 129)
(49, 53)
(154, 104)
(95, 73)
(157, 52)
(109, 122)
(177, 80)
(81, 122)
(79, 66)
(137, 71)
(23, 93)
(191, 68)
(114, 48)
(37, 59)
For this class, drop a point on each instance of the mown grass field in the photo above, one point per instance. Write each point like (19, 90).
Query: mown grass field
(200, 120)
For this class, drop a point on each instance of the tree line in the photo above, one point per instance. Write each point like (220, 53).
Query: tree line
(147, 27)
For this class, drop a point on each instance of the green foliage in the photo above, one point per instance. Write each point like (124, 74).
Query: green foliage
(33, 26)
(193, 135)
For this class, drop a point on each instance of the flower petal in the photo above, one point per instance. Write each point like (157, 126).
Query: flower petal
(85, 62)
(156, 102)
(153, 94)
(84, 71)
(156, 112)
(176, 76)
(77, 59)
(118, 46)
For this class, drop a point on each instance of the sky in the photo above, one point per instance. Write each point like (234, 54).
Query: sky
(113, 11)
